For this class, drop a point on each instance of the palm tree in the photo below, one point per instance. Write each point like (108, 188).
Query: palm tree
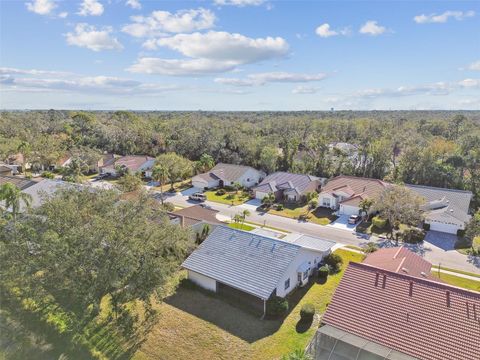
(13, 197)
(205, 163)
(365, 206)
(245, 214)
(161, 174)
(269, 200)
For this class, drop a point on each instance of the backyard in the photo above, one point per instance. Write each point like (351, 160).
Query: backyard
(319, 216)
(197, 326)
(229, 197)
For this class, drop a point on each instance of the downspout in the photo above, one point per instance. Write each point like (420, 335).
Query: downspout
(264, 309)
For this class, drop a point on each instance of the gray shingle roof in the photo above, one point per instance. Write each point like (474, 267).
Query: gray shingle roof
(21, 183)
(248, 262)
(444, 204)
(286, 181)
(230, 172)
(314, 243)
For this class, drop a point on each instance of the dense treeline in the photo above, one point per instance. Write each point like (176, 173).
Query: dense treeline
(419, 147)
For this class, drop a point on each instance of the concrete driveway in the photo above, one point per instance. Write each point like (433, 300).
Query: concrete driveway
(250, 205)
(441, 240)
(342, 223)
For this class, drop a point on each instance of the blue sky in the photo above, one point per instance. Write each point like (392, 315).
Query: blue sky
(239, 54)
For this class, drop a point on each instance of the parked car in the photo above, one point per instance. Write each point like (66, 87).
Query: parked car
(198, 196)
(353, 219)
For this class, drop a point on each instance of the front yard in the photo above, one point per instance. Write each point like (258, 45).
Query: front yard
(465, 248)
(240, 226)
(319, 216)
(193, 325)
(230, 197)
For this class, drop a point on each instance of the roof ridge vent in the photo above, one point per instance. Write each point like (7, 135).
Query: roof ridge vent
(273, 247)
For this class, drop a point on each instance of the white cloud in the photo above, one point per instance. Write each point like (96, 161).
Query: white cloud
(15, 71)
(89, 37)
(372, 28)
(239, 3)
(444, 17)
(264, 78)
(160, 22)
(211, 52)
(469, 83)
(134, 4)
(304, 90)
(474, 66)
(63, 14)
(41, 7)
(90, 7)
(325, 31)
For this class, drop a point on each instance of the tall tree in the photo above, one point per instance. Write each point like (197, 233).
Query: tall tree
(161, 175)
(205, 163)
(13, 198)
(179, 168)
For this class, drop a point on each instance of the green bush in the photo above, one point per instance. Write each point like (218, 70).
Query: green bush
(48, 175)
(312, 204)
(307, 312)
(167, 206)
(426, 226)
(277, 306)
(280, 207)
(229, 188)
(323, 271)
(378, 222)
(334, 261)
(460, 233)
(370, 247)
(221, 192)
(413, 235)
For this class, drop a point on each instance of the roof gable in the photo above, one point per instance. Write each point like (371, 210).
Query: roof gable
(286, 181)
(371, 188)
(230, 172)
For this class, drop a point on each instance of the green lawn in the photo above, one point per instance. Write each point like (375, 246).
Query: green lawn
(178, 186)
(230, 198)
(239, 226)
(458, 281)
(435, 267)
(319, 216)
(464, 247)
(192, 325)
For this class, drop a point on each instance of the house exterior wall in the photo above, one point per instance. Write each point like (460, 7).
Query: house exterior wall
(200, 183)
(348, 210)
(250, 178)
(304, 255)
(202, 281)
(260, 195)
(442, 227)
(331, 199)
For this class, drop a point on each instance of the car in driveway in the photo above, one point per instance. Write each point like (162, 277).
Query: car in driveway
(198, 196)
(353, 219)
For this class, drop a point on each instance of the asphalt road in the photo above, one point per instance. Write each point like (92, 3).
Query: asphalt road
(436, 255)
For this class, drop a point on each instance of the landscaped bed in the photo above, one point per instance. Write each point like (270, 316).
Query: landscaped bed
(239, 226)
(230, 197)
(197, 326)
(319, 216)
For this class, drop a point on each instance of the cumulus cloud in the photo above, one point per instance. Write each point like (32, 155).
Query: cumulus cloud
(239, 3)
(270, 77)
(304, 90)
(89, 37)
(90, 7)
(372, 28)
(41, 7)
(134, 4)
(444, 17)
(474, 66)
(211, 52)
(160, 22)
(325, 31)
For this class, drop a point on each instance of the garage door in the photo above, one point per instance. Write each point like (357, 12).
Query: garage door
(260, 195)
(199, 184)
(446, 228)
(348, 210)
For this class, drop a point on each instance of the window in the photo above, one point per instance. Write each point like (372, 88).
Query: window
(326, 202)
(305, 275)
(287, 283)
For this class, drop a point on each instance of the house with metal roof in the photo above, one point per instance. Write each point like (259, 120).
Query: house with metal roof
(446, 210)
(226, 175)
(254, 266)
(381, 314)
(287, 186)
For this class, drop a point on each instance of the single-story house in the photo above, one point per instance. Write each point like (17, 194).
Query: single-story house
(446, 210)
(252, 266)
(344, 193)
(226, 175)
(381, 314)
(19, 182)
(7, 170)
(133, 163)
(195, 217)
(287, 186)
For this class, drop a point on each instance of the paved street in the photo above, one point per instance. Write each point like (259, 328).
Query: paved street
(434, 252)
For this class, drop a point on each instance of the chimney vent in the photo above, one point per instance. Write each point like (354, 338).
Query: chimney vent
(377, 276)
(448, 298)
(411, 289)
(384, 281)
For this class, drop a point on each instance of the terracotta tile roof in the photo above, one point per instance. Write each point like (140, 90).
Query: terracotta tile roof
(400, 260)
(425, 319)
(131, 162)
(199, 213)
(371, 188)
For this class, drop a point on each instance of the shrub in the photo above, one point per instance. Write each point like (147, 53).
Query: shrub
(426, 226)
(230, 197)
(460, 233)
(280, 207)
(370, 247)
(312, 204)
(167, 206)
(48, 175)
(220, 192)
(298, 354)
(378, 222)
(277, 306)
(334, 261)
(323, 271)
(229, 188)
(413, 235)
(307, 312)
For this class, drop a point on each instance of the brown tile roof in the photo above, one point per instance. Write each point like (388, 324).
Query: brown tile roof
(371, 188)
(199, 213)
(19, 182)
(400, 260)
(230, 172)
(425, 319)
(131, 162)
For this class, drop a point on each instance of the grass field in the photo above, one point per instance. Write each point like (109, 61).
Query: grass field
(458, 281)
(319, 216)
(238, 226)
(230, 198)
(193, 325)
